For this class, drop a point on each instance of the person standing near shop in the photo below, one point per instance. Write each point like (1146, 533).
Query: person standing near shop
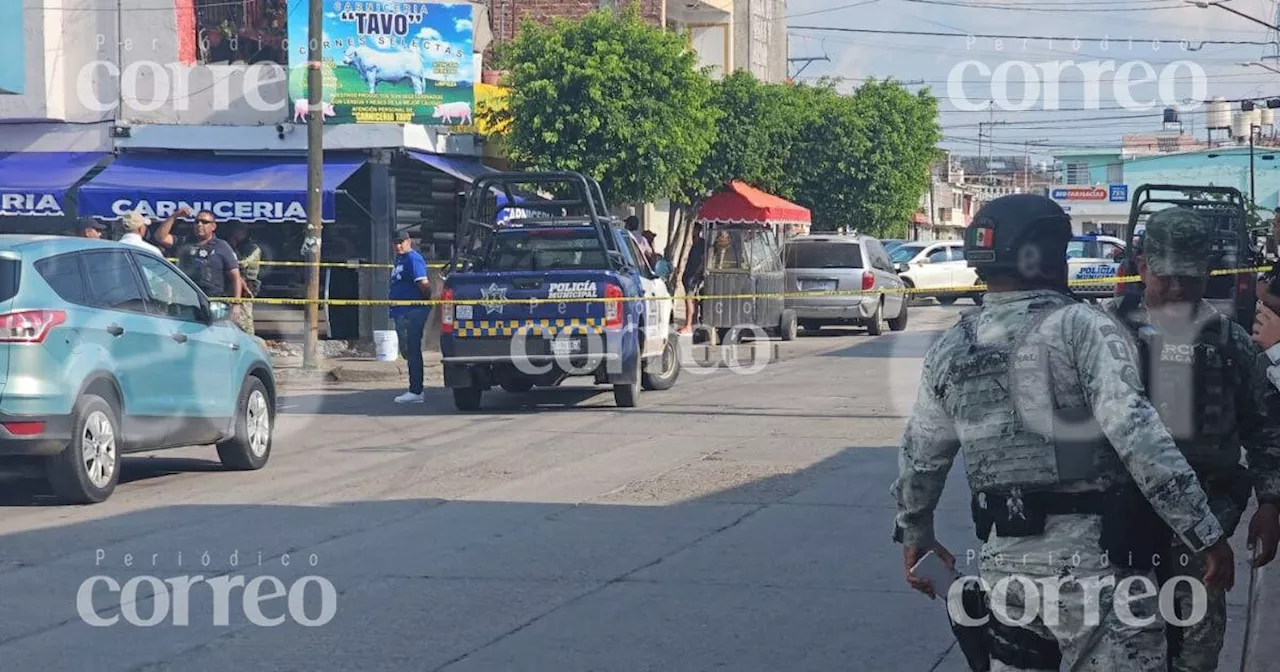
(135, 228)
(410, 282)
(211, 263)
(88, 227)
(249, 255)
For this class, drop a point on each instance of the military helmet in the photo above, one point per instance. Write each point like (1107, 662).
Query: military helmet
(1025, 235)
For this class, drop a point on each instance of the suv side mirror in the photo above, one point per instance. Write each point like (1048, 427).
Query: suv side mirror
(219, 311)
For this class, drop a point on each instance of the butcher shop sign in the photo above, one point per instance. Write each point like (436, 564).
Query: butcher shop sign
(389, 62)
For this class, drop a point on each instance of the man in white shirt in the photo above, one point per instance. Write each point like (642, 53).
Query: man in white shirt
(135, 224)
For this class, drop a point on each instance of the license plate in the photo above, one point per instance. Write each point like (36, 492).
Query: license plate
(571, 346)
(818, 285)
(464, 312)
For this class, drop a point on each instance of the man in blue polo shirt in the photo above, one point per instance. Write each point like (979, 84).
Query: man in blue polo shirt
(409, 282)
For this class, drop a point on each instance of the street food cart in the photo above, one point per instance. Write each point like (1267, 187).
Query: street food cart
(744, 230)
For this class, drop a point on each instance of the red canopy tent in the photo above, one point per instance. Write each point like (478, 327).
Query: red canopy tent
(740, 203)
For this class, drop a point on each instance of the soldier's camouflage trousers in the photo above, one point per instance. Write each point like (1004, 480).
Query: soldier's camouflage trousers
(1064, 576)
(1196, 647)
(246, 318)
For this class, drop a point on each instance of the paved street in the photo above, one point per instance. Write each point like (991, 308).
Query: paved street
(737, 522)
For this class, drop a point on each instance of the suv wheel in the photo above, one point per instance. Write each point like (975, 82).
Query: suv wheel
(250, 448)
(900, 322)
(88, 469)
(875, 325)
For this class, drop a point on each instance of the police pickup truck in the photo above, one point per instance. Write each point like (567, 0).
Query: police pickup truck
(1093, 257)
(551, 289)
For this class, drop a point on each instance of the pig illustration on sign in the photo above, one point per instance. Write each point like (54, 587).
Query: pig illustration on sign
(301, 108)
(387, 66)
(448, 111)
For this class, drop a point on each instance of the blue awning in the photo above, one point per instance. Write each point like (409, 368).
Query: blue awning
(36, 183)
(244, 188)
(465, 168)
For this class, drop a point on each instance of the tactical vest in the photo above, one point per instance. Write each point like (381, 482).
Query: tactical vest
(1013, 430)
(197, 263)
(1188, 380)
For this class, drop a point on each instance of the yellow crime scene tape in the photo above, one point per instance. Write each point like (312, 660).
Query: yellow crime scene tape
(930, 291)
(329, 264)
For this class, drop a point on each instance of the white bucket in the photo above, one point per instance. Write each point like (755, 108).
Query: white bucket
(387, 345)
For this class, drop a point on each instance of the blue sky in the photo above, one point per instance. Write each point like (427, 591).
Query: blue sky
(933, 60)
(12, 46)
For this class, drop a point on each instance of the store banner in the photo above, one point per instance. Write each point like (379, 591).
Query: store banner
(388, 63)
(13, 48)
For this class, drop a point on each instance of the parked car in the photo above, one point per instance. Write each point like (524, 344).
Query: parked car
(936, 266)
(830, 263)
(1090, 257)
(108, 349)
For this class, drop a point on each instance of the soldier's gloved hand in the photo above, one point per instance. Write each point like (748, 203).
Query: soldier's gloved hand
(1264, 533)
(912, 554)
(1220, 566)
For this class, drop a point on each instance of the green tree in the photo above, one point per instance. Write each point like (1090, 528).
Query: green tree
(753, 135)
(609, 96)
(863, 160)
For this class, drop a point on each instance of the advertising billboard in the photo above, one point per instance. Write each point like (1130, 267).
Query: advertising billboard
(388, 62)
(13, 49)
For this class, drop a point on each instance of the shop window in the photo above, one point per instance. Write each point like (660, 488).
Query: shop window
(244, 31)
(1078, 173)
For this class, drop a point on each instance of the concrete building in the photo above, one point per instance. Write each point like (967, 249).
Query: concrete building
(728, 35)
(1098, 184)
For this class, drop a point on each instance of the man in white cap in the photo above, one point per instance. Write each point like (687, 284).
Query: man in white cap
(135, 225)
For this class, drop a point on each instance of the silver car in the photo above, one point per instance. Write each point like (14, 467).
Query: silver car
(843, 263)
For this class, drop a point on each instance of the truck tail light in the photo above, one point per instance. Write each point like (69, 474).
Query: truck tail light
(612, 309)
(868, 280)
(446, 312)
(29, 326)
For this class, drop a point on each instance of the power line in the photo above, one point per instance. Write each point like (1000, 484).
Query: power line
(832, 9)
(128, 10)
(1047, 38)
(1041, 7)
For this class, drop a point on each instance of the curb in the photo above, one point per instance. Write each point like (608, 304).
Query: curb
(337, 371)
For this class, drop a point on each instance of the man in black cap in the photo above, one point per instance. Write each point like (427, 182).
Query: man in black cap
(88, 227)
(410, 282)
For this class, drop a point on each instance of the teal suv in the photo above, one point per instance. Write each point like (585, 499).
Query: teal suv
(108, 349)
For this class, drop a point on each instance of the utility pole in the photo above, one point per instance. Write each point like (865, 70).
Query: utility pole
(807, 60)
(315, 178)
(1026, 162)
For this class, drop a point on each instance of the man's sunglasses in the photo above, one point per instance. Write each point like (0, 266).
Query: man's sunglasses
(204, 221)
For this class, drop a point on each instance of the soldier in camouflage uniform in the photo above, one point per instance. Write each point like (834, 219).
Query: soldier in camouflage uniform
(249, 253)
(1068, 463)
(1209, 383)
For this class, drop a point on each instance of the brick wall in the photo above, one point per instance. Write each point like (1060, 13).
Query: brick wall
(507, 15)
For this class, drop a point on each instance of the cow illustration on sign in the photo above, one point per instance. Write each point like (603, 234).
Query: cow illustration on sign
(387, 66)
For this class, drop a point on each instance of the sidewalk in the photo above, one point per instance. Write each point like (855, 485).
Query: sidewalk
(1263, 647)
(290, 373)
